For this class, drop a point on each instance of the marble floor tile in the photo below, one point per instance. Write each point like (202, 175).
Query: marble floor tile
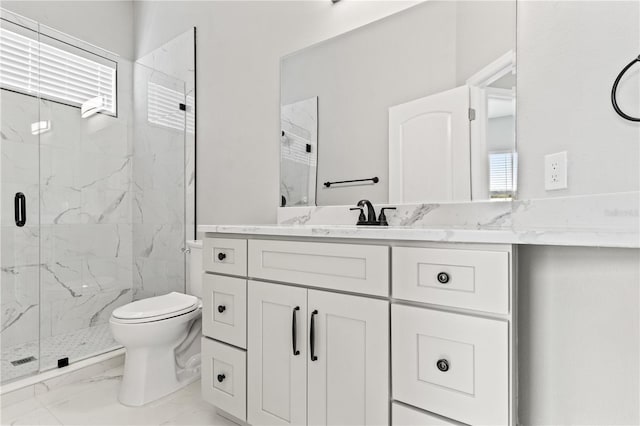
(94, 401)
(27, 412)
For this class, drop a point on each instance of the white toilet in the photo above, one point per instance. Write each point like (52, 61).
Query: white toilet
(161, 336)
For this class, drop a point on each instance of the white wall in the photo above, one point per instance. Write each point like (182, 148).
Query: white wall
(578, 335)
(239, 50)
(106, 24)
(569, 53)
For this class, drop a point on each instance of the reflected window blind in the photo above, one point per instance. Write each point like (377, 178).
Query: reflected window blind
(163, 108)
(294, 148)
(502, 172)
(36, 68)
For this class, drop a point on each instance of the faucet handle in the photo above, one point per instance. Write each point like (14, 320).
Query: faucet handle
(361, 219)
(382, 220)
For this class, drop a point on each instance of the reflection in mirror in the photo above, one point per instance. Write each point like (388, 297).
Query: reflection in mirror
(298, 153)
(493, 129)
(423, 99)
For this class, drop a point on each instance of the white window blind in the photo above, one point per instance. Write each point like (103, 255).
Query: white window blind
(163, 108)
(37, 68)
(503, 169)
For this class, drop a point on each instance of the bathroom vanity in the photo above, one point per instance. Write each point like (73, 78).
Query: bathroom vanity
(302, 326)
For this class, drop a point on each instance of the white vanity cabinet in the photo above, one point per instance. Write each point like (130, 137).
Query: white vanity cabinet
(322, 332)
(333, 372)
(277, 391)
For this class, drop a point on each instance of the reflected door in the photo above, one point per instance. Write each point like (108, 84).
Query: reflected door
(429, 154)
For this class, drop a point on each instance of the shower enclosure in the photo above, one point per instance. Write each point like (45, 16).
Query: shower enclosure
(97, 188)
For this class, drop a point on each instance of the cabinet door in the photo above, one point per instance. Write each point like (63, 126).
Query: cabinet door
(348, 380)
(277, 386)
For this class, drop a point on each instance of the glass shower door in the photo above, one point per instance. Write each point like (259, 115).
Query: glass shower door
(20, 203)
(85, 196)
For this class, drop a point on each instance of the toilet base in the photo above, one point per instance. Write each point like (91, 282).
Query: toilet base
(148, 375)
(161, 357)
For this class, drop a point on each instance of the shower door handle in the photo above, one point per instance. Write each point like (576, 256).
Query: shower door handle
(20, 209)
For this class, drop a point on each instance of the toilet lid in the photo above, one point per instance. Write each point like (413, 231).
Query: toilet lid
(157, 306)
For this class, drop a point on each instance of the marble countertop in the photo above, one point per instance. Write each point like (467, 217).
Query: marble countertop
(589, 238)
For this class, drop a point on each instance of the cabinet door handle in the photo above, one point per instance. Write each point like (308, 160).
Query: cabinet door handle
(221, 377)
(312, 336)
(221, 256)
(221, 308)
(294, 331)
(20, 209)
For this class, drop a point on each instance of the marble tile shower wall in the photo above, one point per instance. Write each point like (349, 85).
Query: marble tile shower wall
(84, 168)
(158, 203)
(164, 171)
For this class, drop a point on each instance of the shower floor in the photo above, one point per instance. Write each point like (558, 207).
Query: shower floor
(76, 346)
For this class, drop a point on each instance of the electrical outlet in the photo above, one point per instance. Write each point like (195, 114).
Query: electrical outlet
(555, 171)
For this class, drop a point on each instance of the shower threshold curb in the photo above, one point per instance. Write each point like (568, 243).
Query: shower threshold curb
(51, 374)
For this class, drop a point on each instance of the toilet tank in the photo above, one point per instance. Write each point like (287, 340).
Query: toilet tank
(194, 279)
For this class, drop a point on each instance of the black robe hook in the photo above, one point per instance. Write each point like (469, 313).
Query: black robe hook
(614, 101)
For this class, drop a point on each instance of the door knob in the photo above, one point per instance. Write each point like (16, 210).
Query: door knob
(221, 308)
(221, 256)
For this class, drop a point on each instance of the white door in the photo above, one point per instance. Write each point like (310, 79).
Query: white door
(429, 152)
(348, 380)
(277, 381)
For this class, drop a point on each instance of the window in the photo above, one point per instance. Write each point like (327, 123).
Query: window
(50, 70)
(503, 171)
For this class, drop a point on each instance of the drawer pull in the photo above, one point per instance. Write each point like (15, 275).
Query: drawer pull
(443, 365)
(221, 377)
(312, 336)
(221, 308)
(443, 278)
(294, 331)
(222, 256)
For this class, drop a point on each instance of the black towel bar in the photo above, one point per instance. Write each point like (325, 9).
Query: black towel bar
(373, 179)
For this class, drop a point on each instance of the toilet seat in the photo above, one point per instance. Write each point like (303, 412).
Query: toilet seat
(156, 308)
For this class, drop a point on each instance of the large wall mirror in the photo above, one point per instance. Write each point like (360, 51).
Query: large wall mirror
(417, 107)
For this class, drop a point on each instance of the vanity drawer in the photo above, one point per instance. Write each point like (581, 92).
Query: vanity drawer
(349, 267)
(224, 371)
(451, 364)
(468, 279)
(224, 309)
(402, 415)
(225, 255)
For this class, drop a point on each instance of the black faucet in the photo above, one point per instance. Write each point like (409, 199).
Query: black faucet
(370, 218)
